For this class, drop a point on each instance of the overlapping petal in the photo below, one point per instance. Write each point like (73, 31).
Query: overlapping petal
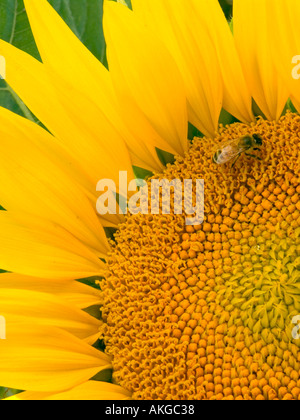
(31, 182)
(75, 64)
(148, 84)
(77, 72)
(237, 98)
(46, 359)
(89, 391)
(71, 292)
(88, 137)
(254, 40)
(283, 26)
(37, 247)
(176, 23)
(36, 308)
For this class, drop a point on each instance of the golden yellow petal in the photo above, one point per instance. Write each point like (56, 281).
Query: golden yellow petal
(177, 23)
(283, 24)
(65, 54)
(150, 90)
(29, 396)
(36, 308)
(253, 40)
(92, 391)
(37, 247)
(88, 83)
(88, 162)
(46, 359)
(79, 124)
(33, 183)
(29, 80)
(89, 391)
(72, 292)
(66, 100)
(237, 98)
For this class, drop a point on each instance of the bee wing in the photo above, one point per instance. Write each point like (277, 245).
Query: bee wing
(229, 150)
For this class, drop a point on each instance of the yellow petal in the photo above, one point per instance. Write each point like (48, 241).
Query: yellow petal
(177, 23)
(93, 391)
(79, 124)
(69, 61)
(253, 42)
(35, 308)
(29, 396)
(150, 90)
(46, 359)
(31, 182)
(89, 391)
(37, 247)
(283, 24)
(64, 53)
(72, 292)
(81, 154)
(29, 80)
(237, 98)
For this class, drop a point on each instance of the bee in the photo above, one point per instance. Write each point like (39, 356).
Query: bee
(233, 149)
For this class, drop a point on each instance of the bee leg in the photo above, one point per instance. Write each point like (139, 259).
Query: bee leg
(236, 159)
(253, 156)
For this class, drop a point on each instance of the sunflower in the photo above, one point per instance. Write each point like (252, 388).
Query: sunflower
(186, 312)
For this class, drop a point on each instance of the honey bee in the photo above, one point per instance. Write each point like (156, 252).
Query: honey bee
(233, 149)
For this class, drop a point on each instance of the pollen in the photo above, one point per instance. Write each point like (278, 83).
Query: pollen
(205, 312)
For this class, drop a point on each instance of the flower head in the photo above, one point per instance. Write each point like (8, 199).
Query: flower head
(187, 312)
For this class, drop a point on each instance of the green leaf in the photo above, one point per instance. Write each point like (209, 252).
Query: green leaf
(193, 132)
(10, 100)
(84, 17)
(227, 7)
(6, 392)
(14, 26)
(141, 173)
(15, 29)
(125, 3)
(165, 157)
(289, 107)
(226, 118)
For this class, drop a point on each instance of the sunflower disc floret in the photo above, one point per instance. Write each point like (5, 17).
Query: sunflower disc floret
(205, 312)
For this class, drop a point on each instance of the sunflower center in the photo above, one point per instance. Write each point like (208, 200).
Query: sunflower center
(206, 312)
